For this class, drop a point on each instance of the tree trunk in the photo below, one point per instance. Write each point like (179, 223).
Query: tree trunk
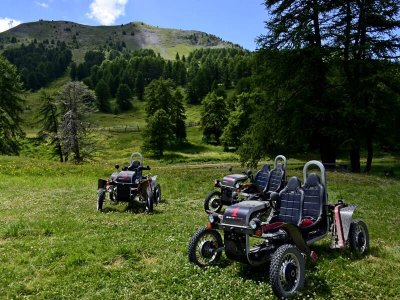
(59, 151)
(369, 155)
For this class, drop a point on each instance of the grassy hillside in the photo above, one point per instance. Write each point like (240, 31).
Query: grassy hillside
(53, 244)
(81, 38)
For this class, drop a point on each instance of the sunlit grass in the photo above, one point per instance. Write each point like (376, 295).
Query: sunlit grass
(53, 243)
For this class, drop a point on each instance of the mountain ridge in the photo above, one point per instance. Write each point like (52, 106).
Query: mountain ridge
(134, 35)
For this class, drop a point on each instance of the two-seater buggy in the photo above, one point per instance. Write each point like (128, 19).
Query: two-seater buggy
(302, 217)
(130, 185)
(234, 188)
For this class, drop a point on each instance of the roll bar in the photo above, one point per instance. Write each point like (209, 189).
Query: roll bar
(136, 154)
(281, 157)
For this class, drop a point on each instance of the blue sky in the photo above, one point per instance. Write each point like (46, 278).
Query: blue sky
(238, 21)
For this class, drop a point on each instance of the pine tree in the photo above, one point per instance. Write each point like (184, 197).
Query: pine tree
(124, 97)
(213, 117)
(74, 128)
(10, 108)
(158, 133)
(103, 96)
(49, 120)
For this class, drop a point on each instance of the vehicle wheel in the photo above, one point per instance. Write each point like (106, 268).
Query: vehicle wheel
(101, 194)
(203, 247)
(157, 194)
(112, 196)
(213, 201)
(358, 237)
(149, 202)
(286, 274)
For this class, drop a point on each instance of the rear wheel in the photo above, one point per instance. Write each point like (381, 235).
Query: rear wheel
(358, 237)
(101, 194)
(287, 269)
(204, 247)
(213, 202)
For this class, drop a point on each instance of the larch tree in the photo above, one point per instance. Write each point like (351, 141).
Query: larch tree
(11, 106)
(74, 127)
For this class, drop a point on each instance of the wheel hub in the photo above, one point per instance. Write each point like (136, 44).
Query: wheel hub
(214, 203)
(360, 240)
(290, 273)
(207, 249)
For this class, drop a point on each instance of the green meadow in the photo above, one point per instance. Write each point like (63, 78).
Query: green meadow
(55, 245)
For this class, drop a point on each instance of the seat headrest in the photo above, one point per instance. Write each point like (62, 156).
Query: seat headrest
(293, 184)
(265, 168)
(135, 164)
(312, 180)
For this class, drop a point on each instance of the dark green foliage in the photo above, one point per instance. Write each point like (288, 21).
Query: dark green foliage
(321, 72)
(213, 117)
(10, 108)
(208, 67)
(240, 118)
(163, 94)
(158, 133)
(124, 97)
(39, 63)
(103, 96)
(139, 85)
(92, 58)
(49, 119)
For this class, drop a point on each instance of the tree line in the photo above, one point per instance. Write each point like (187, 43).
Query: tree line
(325, 78)
(39, 63)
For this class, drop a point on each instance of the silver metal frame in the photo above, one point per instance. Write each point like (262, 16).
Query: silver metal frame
(283, 158)
(136, 154)
(322, 171)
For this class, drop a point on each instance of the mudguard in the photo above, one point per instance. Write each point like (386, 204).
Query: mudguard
(293, 232)
(346, 214)
(126, 177)
(239, 214)
(101, 184)
(232, 179)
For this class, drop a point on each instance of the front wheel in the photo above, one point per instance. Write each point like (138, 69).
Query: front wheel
(101, 194)
(157, 194)
(287, 269)
(358, 237)
(213, 202)
(204, 247)
(149, 202)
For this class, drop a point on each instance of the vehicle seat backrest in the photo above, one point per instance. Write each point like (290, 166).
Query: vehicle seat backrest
(262, 177)
(275, 178)
(291, 200)
(314, 197)
(135, 167)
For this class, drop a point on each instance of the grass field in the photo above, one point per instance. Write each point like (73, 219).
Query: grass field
(54, 245)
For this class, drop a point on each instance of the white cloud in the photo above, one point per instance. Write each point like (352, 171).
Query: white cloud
(42, 4)
(7, 23)
(107, 11)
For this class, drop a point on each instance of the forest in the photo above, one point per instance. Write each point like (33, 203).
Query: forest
(325, 79)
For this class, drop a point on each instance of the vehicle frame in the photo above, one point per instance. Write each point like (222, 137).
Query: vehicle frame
(284, 244)
(129, 185)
